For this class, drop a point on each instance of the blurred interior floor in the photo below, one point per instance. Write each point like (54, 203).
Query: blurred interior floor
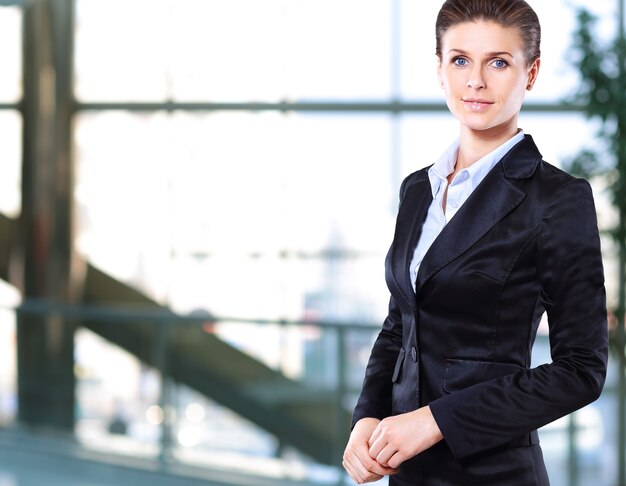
(28, 459)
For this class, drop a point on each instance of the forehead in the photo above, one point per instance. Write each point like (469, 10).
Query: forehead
(483, 37)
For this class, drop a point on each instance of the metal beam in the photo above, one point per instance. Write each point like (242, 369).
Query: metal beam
(306, 106)
(45, 231)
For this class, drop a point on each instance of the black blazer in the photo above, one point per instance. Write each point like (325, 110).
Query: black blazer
(526, 241)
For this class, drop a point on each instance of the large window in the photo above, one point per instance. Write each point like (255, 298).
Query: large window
(10, 55)
(10, 155)
(10, 121)
(267, 138)
(243, 157)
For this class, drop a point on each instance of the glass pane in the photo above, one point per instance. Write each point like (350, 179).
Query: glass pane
(296, 287)
(338, 182)
(423, 138)
(9, 299)
(280, 48)
(576, 133)
(211, 50)
(117, 397)
(231, 50)
(208, 435)
(339, 49)
(10, 169)
(10, 54)
(121, 49)
(247, 196)
(418, 74)
(124, 406)
(122, 187)
(558, 76)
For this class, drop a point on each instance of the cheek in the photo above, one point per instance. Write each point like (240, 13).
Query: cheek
(450, 84)
(519, 95)
(516, 92)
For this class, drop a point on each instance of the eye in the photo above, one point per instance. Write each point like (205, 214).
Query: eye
(499, 63)
(460, 61)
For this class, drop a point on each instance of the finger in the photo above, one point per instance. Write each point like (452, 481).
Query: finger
(385, 454)
(395, 460)
(358, 472)
(374, 467)
(375, 435)
(365, 467)
(376, 448)
(361, 459)
(352, 470)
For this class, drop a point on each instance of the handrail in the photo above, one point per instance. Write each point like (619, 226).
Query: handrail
(124, 313)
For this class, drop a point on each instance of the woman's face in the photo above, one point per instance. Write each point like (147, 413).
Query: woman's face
(484, 75)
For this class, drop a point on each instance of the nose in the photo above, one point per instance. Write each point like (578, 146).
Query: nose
(476, 79)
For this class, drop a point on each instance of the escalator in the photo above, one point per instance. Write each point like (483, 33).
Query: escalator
(308, 419)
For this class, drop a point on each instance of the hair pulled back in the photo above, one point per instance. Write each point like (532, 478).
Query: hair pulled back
(507, 13)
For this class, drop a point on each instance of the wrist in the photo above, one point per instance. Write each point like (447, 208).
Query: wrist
(364, 427)
(434, 430)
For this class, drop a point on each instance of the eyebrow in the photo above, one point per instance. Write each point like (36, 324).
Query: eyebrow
(489, 54)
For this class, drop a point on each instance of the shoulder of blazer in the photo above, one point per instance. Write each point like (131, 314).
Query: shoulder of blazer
(420, 175)
(524, 161)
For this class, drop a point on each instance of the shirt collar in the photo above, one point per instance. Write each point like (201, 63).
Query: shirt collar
(444, 166)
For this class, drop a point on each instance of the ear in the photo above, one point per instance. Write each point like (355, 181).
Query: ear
(533, 72)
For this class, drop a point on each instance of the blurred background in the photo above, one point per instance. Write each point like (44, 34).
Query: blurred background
(196, 198)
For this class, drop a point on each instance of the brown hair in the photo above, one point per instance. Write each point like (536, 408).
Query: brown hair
(508, 13)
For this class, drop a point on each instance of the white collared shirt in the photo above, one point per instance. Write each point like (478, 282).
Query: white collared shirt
(459, 190)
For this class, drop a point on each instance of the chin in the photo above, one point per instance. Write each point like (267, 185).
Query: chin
(483, 122)
(477, 125)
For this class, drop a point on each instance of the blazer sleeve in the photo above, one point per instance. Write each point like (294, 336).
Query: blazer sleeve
(375, 398)
(570, 274)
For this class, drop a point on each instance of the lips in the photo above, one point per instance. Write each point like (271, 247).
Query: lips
(476, 104)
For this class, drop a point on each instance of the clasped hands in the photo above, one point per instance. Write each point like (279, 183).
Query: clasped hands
(377, 448)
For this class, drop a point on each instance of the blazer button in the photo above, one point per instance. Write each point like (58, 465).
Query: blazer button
(414, 354)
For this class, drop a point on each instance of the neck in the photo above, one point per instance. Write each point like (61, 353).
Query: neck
(475, 144)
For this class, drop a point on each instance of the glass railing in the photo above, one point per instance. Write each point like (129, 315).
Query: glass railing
(264, 398)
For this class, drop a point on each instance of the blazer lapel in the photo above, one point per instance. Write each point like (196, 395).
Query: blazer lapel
(494, 198)
(411, 216)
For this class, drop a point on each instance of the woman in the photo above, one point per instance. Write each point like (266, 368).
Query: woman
(486, 240)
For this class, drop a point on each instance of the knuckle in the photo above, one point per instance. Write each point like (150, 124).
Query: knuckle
(368, 463)
(396, 461)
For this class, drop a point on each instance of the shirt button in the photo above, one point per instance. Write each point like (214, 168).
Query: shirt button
(454, 204)
(414, 354)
